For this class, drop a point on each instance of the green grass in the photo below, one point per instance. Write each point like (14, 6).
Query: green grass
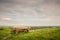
(39, 34)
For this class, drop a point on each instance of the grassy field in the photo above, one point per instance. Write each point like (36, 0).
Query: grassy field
(6, 33)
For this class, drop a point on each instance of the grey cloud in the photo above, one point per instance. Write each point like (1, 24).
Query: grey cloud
(32, 11)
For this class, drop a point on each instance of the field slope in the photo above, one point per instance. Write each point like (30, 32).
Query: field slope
(40, 34)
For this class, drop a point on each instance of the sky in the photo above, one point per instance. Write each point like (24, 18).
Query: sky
(30, 12)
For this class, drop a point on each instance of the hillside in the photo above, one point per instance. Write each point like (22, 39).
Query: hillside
(39, 34)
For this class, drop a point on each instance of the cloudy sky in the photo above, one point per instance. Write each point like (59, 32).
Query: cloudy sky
(30, 12)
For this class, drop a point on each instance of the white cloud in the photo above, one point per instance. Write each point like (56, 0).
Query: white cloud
(7, 19)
